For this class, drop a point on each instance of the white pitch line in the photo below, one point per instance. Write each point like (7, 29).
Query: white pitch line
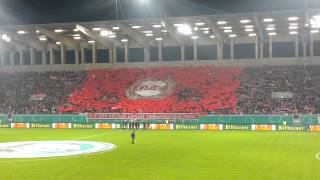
(101, 134)
(64, 157)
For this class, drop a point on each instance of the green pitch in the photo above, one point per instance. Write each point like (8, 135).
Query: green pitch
(178, 155)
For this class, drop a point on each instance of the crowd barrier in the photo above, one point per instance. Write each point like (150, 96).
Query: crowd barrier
(216, 127)
(209, 122)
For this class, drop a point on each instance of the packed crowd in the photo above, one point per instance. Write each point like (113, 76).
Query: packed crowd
(258, 83)
(179, 90)
(40, 93)
(204, 90)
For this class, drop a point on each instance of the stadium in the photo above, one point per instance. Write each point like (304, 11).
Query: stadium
(206, 96)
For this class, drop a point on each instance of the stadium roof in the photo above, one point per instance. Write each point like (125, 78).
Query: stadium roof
(146, 32)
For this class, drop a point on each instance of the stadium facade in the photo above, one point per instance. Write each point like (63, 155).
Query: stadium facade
(281, 37)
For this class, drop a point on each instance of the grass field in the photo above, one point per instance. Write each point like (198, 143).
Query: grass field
(176, 155)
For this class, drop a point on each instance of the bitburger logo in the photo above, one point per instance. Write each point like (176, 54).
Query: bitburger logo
(150, 89)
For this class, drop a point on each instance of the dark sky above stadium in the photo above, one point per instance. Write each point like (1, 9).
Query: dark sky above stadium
(50, 11)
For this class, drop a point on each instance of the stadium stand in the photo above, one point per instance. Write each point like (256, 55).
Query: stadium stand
(36, 92)
(258, 83)
(204, 89)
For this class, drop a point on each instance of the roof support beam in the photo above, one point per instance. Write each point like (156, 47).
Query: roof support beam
(172, 32)
(259, 28)
(28, 41)
(105, 42)
(58, 37)
(141, 39)
(218, 34)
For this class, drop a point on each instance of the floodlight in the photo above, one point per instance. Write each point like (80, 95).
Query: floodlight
(245, 21)
(268, 20)
(293, 18)
(185, 29)
(293, 32)
(222, 22)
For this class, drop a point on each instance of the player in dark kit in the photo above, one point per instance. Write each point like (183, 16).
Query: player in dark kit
(133, 136)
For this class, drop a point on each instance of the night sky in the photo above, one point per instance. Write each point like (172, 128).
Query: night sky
(55, 11)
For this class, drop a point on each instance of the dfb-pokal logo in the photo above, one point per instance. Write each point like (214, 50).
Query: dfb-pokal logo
(150, 89)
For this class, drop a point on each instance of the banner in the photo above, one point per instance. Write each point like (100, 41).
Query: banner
(263, 127)
(187, 126)
(143, 116)
(61, 125)
(19, 125)
(4, 125)
(291, 128)
(315, 128)
(83, 125)
(40, 125)
(103, 126)
(212, 127)
(236, 127)
(161, 126)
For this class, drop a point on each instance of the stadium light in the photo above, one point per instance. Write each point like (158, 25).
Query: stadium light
(91, 42)
(115, 28)
(159, 39)
(157, 25)
(268, 20)
(252, 34)
(37, 31)
(76, 30)
(222, 22)
(206, 32)
(43, 38)
(195, 37)
(212, 36)
(77, 37)
(105, 33)
(58, 30)
(185, 29)
(232, 35)
(293, 18)
(293, 32)
(205, 29)
(293, 27)
(164, 30)
(21, 32)
(199, 23)
(195, 28)
(135, 27)
(149, 34)
(112, 36)
(96, 29)
(58, 43)
(177, 25)
(227, 27)
(245, 21)
(314, 31)
(146, 32)
(124, 40)
(249, 26)
(272, 33)
(227, 30)
(5, 38)
(249, 30)
(270, 28)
